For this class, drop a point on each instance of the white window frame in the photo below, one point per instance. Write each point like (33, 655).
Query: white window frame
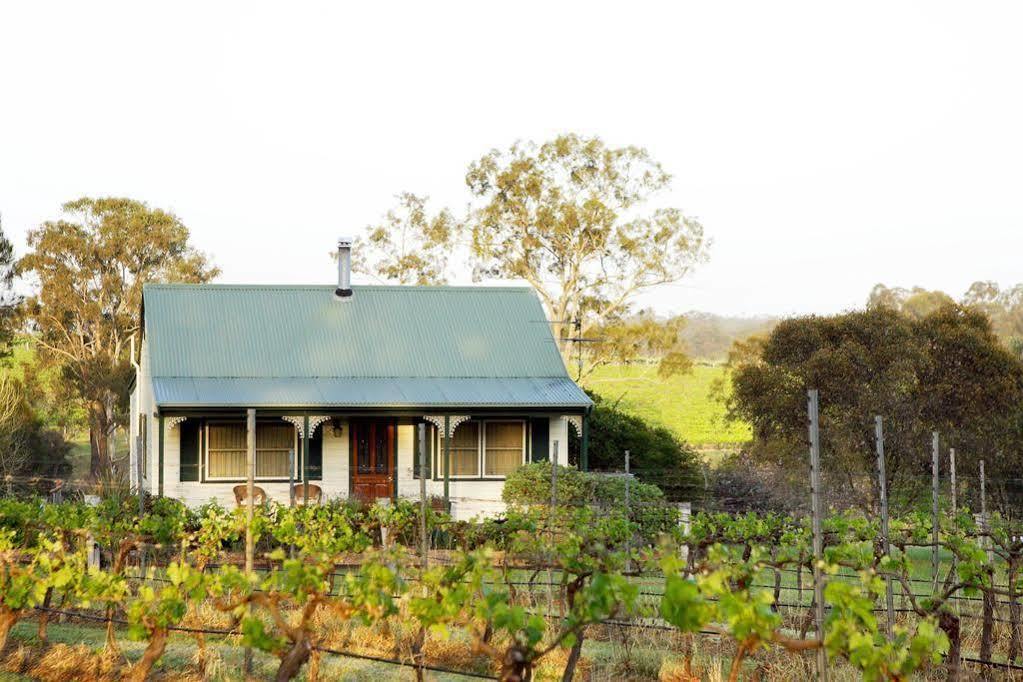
(481, 451)
(206, 478)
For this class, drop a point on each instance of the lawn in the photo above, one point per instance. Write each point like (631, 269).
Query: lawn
(685, 404)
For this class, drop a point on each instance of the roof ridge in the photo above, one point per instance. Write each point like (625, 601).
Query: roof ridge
(368, 378)
(330, 287)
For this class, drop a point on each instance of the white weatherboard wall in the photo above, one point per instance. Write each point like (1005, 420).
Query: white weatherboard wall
(143, 402)
(559, 435)
(469, 498)
(335, 462)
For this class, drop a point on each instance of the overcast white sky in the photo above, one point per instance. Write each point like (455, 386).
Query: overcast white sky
(824, 146)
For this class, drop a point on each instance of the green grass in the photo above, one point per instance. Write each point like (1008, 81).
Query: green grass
(685, 404)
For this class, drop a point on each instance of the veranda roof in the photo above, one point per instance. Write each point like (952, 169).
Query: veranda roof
(389, 346)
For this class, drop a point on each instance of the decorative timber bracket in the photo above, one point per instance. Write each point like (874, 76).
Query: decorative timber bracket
(577, 422)
(453, 422)
(171, 422)
(299, 423)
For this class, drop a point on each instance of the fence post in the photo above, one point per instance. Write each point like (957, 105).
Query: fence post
(424, 541)
(882, 482)
(952, 478)
(550, 522)
(250, 485)
(424, 545)
(684, 520)
(291, 478)
(138, 475)
(628, 517)
(305, 460)
(815, 510)
(554, 476)
(983, 510)
(934, 508)
(955, 510)
(447, 463)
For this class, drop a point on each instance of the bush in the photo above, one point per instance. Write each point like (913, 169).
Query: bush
(657, 455)
(27, 448)
(648, 508)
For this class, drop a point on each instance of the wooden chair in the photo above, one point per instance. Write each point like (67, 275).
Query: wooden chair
(241, 494)
(315, 493)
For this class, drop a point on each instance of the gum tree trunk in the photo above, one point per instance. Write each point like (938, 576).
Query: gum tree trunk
(100, 419)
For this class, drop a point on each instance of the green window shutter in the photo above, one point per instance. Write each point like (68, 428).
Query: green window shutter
(189, 462)
(540, 428)
(316, 454)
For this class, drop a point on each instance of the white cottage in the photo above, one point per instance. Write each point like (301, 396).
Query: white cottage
(348, 385)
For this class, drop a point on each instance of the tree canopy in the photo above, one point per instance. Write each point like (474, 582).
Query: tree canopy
(409, 245)
(27, 448)
(8, 299)
(1004, 307)
(657, 455)
(571, 217)
(945, 371)
(89, 267)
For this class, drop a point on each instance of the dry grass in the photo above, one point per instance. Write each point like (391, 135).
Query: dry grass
(62, 663)
(611, 652)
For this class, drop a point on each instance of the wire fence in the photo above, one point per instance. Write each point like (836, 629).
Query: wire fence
(949, 487)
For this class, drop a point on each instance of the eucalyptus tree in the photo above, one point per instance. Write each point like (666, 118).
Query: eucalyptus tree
(410, 245)
(89, 267)
(8, 299)
(572, 217)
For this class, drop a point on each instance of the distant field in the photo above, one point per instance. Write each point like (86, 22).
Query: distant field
(684, 403)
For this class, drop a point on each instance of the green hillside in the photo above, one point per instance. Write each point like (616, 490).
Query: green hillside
(684, 404)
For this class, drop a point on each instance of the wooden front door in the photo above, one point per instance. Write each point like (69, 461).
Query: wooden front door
(373, 454)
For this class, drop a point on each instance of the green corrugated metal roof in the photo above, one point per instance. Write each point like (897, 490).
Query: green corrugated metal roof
(308, 348)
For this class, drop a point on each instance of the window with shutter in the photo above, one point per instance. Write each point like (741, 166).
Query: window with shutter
(226, 450)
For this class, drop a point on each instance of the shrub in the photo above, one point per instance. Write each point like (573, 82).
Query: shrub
(27, 448)
(531, 484)
(657, 455)
(648, 509)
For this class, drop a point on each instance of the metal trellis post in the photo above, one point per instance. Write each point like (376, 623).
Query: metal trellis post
(554, 476)
(628, 516)
(250, 491)
(983, 511)
(424, 541)
(934, 508)
(815, 510)
(882, 483)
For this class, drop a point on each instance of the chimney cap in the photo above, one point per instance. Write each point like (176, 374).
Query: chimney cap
(345, 242)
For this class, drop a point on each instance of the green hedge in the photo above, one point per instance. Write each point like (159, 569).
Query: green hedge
(658, 455)
(648, 508)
